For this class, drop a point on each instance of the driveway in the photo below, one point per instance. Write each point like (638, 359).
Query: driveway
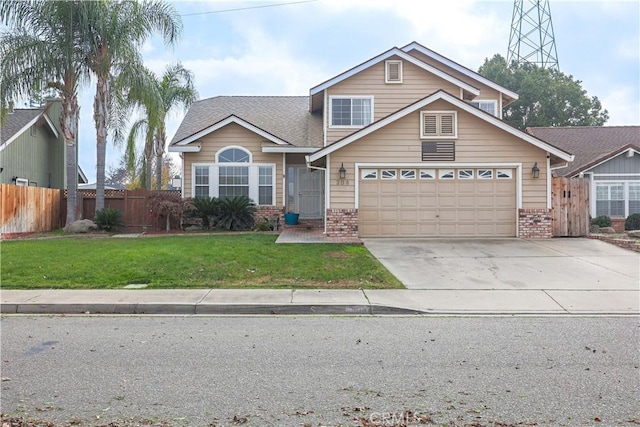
(553, 264)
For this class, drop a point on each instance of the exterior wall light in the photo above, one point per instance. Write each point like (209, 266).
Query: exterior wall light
(535, 171)
(342, 172)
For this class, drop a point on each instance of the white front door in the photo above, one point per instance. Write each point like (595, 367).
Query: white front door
(308, 192)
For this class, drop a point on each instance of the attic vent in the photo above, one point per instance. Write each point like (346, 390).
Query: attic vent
(393, 71)
(437, 124)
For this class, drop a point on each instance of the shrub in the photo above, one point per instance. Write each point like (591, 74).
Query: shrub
(108, 219)
(632, 222)
(266, 224)
(206, 208)
(601, 221)
(236, 213)
(164, 204)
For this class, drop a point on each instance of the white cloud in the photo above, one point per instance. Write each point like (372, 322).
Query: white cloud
(622, 105)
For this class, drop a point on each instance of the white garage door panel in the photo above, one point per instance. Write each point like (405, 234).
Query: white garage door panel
(437, 207)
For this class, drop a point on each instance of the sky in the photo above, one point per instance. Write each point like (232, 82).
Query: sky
(255, 48)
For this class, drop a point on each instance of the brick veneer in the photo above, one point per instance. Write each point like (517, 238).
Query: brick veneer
(342, 222)
(618, 224)
(270, 212)
(535, 224)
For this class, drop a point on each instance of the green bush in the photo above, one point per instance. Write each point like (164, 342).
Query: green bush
(601, 221)
(108, 219)
(266, 224)
(206, 208)
(632, 222)
(236, 213)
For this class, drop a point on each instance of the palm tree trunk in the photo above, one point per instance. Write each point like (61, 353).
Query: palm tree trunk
(148, 162)
(159, 149)
(69, 126)
(101, 118)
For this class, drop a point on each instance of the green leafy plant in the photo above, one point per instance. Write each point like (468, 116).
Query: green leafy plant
(108, 219)
(167, 205)
(632, 222)
(236, 213)
(266, 224)
(207, 209)
(601, 221)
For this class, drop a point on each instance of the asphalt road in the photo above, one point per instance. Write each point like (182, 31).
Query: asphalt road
(310, 371)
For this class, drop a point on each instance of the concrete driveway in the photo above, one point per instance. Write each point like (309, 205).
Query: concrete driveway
(513, 264)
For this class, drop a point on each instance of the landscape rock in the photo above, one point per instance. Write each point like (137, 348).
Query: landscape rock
(81, 226)
(594, 229)
(607, 230)
(634, 233)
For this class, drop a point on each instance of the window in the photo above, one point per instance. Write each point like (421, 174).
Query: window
(427, 174)
(202, 181)
(234, 155)
(434, 124)
(393, 71)
(504, 174)
(610, 199)
(408, 174)
(446, 174)
(356, 112)
(389, 174)
(485, 173)
(434, 151)
(465, 173)
(234, 181)
(634, 198)
(265, 183)
(490, 107)
(369, 174)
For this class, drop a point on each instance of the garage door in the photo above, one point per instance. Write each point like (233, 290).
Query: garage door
(417, 202)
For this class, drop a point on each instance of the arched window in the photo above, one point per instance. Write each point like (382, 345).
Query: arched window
(234, 155)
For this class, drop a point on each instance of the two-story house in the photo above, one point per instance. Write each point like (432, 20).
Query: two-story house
(408, 143)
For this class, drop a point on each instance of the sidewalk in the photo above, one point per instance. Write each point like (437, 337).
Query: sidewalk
(322, 302)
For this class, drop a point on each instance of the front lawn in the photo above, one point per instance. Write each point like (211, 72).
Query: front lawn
(225, 261)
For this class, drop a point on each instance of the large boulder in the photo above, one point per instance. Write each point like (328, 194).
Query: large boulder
(81, 226)
(607, 230)
(634, 233)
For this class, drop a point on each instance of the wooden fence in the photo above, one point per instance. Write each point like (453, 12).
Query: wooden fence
(28, 209)
(134, 205)
(570, 202)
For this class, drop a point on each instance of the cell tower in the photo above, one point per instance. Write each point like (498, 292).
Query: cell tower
(531, 39)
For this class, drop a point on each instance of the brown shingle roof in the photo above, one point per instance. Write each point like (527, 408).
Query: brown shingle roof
(589, 144)
(15, 121)
(286, 117)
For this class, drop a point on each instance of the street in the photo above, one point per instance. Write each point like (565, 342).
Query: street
(330, 371)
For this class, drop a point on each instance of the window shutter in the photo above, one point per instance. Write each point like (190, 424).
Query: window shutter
(430, 124)
(446, 124)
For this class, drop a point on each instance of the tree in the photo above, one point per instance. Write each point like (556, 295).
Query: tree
(174, 88)
(43, 50)
(546, 97)
(115, 32)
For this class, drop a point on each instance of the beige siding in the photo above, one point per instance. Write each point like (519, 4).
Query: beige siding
(387, 98)
(486, 92)
(236, 135)
(477, 141)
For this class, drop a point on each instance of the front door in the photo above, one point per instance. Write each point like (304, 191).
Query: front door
(308, 192)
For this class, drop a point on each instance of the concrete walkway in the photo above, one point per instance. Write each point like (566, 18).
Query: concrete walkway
(318, 302)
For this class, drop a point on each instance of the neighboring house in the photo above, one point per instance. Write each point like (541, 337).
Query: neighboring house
(610, 157)
(408, 143)
(32, 148)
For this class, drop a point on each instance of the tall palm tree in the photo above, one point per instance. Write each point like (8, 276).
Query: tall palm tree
(117, 31)
(43, 47)
(175, 88)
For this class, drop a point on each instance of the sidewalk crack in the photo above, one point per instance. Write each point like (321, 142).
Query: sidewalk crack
(554, 300)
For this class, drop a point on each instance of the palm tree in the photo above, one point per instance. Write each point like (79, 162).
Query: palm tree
(174, 88)
(43, 49)
(116, 31)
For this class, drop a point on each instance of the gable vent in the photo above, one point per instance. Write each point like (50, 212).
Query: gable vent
(393, 71)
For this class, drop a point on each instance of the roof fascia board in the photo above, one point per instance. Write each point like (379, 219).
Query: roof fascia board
(397, 52)
(231, 119)
(184, 148)
(20, 132)
(289, 149)
(459, 68)
(605, 158)
(50, 123)
(456, 102)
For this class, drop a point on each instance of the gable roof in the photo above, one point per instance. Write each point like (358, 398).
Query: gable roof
(461, 69)
(564, 155)
(386, 55)
(282, 119)
(591, 145)
(19, 121)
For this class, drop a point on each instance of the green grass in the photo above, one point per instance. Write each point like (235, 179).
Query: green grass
(225, 261)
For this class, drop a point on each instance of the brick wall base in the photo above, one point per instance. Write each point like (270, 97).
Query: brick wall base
(535, 224)
(342, 222)
(269, 212)
(618, 224)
